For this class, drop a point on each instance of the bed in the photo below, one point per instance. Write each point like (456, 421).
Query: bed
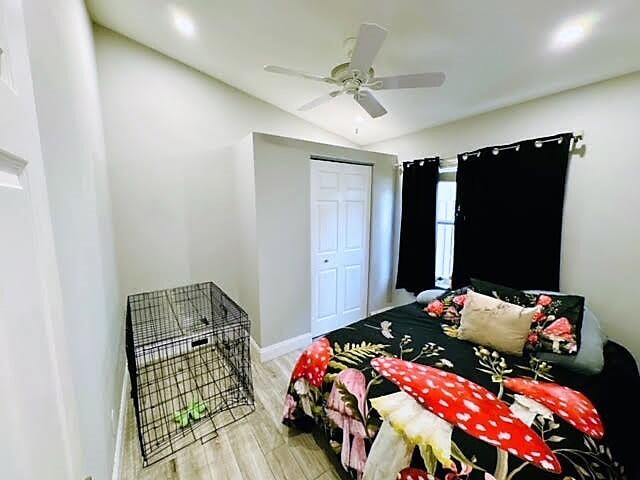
(364, 390)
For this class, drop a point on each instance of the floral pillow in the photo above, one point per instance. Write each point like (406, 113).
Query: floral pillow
(555, 328)
(448, 306)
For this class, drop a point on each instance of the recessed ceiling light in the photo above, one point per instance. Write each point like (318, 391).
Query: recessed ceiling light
(573, 31)
(183, 22)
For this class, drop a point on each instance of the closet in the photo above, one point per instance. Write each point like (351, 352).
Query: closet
(312, 229)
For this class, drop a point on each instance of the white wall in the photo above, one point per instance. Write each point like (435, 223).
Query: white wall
(244, 232)
(601, 235)
(282, 191)
(165, 126)
(68, 110)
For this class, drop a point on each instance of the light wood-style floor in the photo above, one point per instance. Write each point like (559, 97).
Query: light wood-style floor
(257, 447)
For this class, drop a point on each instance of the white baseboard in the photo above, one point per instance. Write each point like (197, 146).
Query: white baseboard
(281, 348)
(380, 310)
(120, 434)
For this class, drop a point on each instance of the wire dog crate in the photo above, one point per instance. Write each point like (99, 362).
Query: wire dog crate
(188, 360)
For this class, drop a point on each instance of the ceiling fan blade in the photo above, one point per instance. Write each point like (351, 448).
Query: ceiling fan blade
(416, 80)
(368, 43)
(369, 103)
(319, 101)
(297, 73)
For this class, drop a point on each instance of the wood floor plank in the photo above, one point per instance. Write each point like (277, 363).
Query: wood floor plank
(311, 458)
(192, 463)
(247, 452)
(222, 461)
(160, 471)
(268, 434)
(281, 372)
(329, 475)
(131, 461)
(283, 465)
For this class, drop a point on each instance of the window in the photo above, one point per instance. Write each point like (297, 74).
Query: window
(445, 216)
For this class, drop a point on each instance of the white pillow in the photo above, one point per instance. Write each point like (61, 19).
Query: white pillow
(427, 296)
(496, 324)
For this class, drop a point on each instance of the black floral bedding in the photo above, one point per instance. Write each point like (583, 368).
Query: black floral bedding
(395, 396)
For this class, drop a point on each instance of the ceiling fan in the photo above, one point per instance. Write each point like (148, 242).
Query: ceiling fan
(357, 78)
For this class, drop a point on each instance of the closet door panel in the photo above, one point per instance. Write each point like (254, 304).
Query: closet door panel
(340, 218)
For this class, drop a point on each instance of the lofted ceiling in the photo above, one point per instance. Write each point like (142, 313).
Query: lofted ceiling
(494, 52)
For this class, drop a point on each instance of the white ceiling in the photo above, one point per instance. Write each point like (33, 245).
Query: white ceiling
(494, 52)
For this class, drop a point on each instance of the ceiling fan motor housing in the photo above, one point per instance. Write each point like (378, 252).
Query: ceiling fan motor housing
(351, 81)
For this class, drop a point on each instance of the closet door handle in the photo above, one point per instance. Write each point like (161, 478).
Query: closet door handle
(326, 260)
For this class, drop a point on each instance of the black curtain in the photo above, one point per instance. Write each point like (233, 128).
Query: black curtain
(417, 258)
(508, 223)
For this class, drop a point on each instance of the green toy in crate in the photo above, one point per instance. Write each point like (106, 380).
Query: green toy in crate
(195, 411)
(181, 417)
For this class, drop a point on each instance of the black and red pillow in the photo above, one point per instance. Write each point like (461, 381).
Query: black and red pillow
(448, 306)
(556, 328)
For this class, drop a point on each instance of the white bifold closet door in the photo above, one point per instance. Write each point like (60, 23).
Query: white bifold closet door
(340, 221)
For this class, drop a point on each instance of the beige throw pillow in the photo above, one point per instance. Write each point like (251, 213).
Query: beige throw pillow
(493, 323)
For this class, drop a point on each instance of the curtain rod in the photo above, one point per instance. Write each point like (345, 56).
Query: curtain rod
(451, 161)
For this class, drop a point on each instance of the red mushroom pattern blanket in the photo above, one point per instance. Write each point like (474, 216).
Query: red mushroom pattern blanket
(397, 396)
